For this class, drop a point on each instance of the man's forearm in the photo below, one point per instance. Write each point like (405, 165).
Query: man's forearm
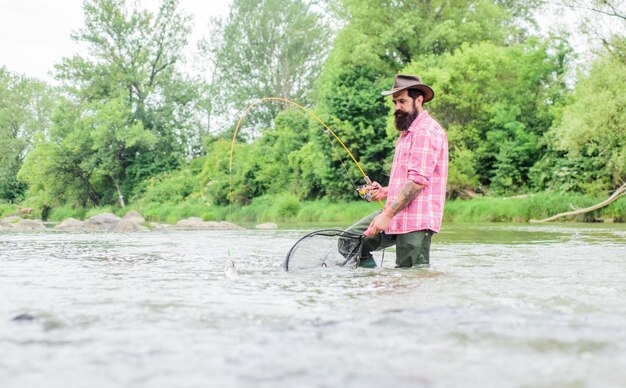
(408, 193)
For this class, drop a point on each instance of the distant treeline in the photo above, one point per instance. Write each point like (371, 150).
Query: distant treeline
(127, 126)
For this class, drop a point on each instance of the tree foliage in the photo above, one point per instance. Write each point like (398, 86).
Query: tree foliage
(495, 102)
(128, 112)
(382, 38)
(25, 109)
(267, 48)
(85, 157)
(138, 52)
(591, 132)
(129, 125)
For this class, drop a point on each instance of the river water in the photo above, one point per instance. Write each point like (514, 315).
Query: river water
(502, 305)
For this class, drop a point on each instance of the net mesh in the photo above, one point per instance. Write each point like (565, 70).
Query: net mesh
(324, 248)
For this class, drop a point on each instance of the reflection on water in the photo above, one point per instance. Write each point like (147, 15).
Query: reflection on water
(502, 305)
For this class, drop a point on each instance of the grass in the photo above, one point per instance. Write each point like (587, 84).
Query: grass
(7, 209)
(67, 211)
(286, 208)
(534, 206)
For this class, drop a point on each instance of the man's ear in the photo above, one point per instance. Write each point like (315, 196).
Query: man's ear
(419, 100)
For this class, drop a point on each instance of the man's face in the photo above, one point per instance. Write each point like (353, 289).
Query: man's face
(405, 110)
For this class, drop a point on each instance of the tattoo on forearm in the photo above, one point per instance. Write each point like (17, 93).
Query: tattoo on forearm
(408, 193)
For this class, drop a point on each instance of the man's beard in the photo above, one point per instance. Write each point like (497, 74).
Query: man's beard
(404, 119)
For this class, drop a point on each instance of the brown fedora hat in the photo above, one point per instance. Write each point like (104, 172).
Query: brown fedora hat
(404, 81)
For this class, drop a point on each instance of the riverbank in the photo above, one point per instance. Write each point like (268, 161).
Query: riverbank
(287, 209)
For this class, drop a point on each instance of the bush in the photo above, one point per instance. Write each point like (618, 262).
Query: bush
(7, 209)
(66, 211)
(286, 206)
(172, 212)
(616, 210)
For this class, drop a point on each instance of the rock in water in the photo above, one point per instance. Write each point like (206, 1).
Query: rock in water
(230, 271)
(128, 226)
(267, 226)
(134, 216)
(24, 318)
(70, 224)
(101, 222)
(29, 225)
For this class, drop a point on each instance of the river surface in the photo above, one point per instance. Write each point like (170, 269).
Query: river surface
(502, 305)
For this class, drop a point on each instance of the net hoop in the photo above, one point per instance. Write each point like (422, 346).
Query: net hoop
(330, 232)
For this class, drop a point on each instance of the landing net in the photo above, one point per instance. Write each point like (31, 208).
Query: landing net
(324, 248)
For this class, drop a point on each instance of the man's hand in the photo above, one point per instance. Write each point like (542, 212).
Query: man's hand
(378, 192)
(380, 223)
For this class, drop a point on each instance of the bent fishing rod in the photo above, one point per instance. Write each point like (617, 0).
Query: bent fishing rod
(364, 191)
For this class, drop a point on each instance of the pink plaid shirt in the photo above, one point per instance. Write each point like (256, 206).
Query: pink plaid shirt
(421, 156)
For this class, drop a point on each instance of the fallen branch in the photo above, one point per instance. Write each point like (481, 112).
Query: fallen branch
(618, 193)
(573, 207)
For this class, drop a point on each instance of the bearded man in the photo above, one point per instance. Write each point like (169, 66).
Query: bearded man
(417, 184)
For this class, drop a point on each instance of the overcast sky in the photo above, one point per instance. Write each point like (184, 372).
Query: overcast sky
(35, 34)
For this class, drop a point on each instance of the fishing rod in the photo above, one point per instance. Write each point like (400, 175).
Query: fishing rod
(363, 191)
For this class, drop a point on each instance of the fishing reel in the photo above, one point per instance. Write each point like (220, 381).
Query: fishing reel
(365, 191)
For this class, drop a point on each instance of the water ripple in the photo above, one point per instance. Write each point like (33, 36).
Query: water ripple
(535, 305)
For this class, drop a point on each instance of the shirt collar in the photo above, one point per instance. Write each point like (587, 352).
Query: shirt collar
(415, 123)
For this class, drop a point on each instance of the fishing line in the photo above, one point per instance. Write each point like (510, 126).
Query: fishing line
(345, 169)
(307, 111)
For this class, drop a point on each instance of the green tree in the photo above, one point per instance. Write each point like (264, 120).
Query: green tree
(53, 169)
(222, 187)
(25, 110)
(129, 113)
(116, 139)
(267, 48)
(388, 35)
(591, 134)
(139, 52)
(359, 118)
(273, 149)
(87, 153)
(381, 38)
(495, 102)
